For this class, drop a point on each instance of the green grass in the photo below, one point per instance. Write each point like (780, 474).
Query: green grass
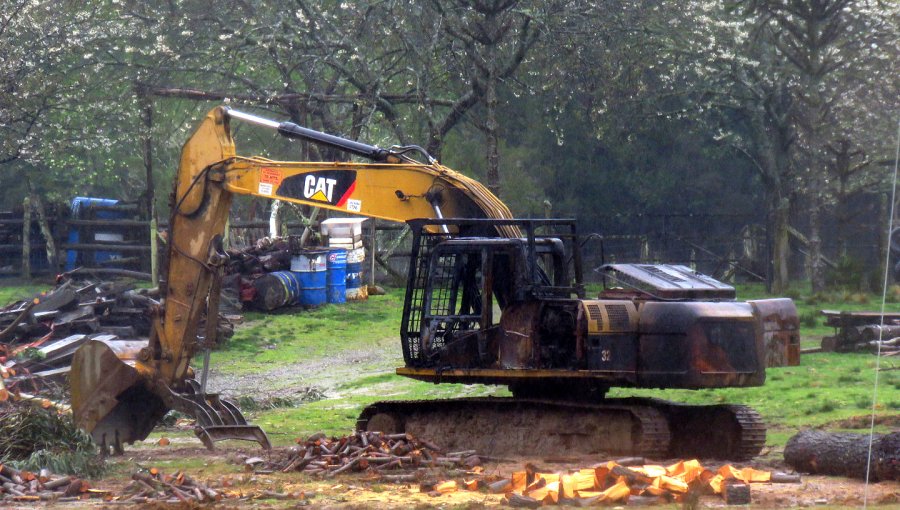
(824, 390)
(810, 306)
(280, 339)
(338, 416)
(14, 289)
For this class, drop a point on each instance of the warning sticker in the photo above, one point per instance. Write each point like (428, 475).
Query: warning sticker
(270, 176)
(354, 205)
(265, 189)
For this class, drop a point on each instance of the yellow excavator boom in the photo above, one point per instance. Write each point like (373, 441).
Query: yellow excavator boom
(119, 394)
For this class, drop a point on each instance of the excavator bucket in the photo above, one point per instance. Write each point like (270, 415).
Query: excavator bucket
(119, 400)
(112, 393)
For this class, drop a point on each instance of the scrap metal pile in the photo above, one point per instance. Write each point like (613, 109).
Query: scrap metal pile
(22, 486)
(39, 337)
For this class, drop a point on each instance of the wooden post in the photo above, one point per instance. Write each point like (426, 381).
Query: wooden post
(151, 195)
(44, 225)
(226, 241)
(26, 238)
(373, 251)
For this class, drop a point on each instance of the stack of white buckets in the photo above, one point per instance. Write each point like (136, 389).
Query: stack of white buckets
(347, 233)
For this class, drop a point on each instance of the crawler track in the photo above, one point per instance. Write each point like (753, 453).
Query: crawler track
(633, 426)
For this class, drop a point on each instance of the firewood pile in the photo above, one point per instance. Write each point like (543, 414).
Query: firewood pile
(39, 337)
(24, 486)
(373, 452)
(632, 482)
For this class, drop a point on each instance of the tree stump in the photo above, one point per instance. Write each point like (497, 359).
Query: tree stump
(844, 454)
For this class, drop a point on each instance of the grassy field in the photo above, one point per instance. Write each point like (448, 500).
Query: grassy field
(828, 390)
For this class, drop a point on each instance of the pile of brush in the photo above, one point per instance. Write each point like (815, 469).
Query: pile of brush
(34, 438)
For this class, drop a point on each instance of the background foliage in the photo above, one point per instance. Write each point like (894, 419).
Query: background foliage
(620, 112)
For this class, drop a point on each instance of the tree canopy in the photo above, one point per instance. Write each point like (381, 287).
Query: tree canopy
(612, 112)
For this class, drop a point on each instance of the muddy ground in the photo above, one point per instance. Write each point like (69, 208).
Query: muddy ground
(361, 490)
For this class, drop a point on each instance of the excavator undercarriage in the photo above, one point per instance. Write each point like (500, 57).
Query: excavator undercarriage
(645, 427)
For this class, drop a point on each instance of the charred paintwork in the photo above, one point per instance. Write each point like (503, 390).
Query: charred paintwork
(781, 331)
(545, 333)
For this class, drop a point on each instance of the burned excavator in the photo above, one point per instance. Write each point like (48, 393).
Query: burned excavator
(489, 300)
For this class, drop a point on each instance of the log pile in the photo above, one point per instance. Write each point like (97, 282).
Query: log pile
(845, 454)
(635, 485)
(25, 486)
(374, 452)
(862, 331)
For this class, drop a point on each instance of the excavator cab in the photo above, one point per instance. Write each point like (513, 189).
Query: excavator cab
(461, 286)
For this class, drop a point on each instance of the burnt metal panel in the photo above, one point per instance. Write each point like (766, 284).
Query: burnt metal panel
(667, 281)
(612, 353)
(781, 330)
(700, 345)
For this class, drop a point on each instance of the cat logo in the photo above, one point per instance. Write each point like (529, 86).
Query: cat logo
(332, 187)
(318, 188)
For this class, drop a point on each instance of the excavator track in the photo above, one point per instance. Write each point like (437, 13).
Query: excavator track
(631, 426)
(504, 426)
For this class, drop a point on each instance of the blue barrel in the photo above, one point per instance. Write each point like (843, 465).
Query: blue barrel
(79, 206)
(337, 276)
(313, 272)
(354, 280)
(274, 290)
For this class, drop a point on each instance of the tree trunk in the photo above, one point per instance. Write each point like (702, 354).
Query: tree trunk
(490, 130)
(780, 246)
(844, 454)
(44, 225)
(816, 267)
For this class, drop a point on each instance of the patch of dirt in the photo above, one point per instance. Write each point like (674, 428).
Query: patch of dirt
(863, 422)
(361, 490)
(326, 373)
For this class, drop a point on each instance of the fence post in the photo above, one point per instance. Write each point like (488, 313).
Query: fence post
(374, 250)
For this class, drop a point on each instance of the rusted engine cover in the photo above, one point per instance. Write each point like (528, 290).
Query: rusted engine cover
(700, 345)
(781, 331)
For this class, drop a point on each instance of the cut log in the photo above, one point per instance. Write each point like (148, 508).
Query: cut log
(844, 454)
(736, 493)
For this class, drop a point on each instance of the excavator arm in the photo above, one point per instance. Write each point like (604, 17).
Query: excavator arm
(119, 393)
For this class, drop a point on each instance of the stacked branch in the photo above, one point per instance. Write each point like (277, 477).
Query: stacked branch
(155, 486)
(371, 451)
(22, 486)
